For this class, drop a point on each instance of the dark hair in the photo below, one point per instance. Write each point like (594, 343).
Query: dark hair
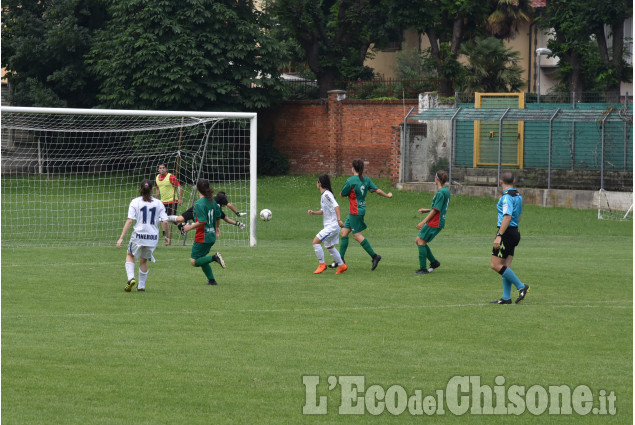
(203, 186)
(442, 176)
(146, 190)
(325, 182)
(507, 177)
(162, 163)
(358, 165)
(221, 198)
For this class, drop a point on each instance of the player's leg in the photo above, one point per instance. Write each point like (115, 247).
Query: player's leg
(199, 258)
(319, 252)
(346, 230)
(330, 242)
(143, 274)
(498, 264)
(423, 255)
(130, 266)
(509, 241)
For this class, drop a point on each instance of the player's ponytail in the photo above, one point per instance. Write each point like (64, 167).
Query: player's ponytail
(146, 190)
(325, 182)
(203, 187)
(358, 166)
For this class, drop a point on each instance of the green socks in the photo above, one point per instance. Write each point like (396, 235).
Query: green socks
(343, 246)
(203, 260)
(429, 254)
(207, 269)
(423, 253)
(203, 263)
(369, 249)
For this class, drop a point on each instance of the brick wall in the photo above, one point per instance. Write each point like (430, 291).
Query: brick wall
(325, 136)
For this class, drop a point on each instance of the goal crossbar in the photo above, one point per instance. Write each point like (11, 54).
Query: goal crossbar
(64, 156)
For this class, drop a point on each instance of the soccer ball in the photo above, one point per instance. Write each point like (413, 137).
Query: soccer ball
(265, 215)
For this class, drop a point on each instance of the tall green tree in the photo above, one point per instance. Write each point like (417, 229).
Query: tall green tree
(187, 55)
(43, 48)
(335, 35)
(491, 67)
(447, 24)
(582, 32)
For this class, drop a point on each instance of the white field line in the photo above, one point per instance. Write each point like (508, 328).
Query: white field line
(582, 304)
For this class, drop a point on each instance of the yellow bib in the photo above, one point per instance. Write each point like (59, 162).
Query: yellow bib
(166, 190)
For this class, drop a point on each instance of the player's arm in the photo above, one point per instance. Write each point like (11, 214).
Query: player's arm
(192, 226)
(234, 222)
(507, 218)
(126, 226)
(339, 217)
(318, 212)
(346, 190)
(164, 226)
(382, 193)
(432, 212)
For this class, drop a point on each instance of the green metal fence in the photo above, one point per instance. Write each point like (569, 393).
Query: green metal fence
(596, 137)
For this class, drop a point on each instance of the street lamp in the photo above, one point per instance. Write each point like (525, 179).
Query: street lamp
(539, 52)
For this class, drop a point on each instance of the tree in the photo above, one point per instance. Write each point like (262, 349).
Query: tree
(506, 16)
(491, 68)
(187, 55)
(43, 48)
(447, 24)
(581, 32)
(335, 35)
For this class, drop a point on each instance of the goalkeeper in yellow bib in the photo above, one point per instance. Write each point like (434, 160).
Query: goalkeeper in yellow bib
(356, 188)
(169, 191)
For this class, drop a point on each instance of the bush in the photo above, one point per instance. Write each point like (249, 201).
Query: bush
(271, 162)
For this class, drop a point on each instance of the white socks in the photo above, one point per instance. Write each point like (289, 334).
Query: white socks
(319, 252)
(130, 270)
(172, 218)
(142, 279)
(336, 255)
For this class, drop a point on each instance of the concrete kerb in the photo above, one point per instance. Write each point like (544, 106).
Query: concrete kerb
(578, 199)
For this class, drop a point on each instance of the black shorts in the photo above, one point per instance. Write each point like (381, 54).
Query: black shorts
(509, 241)
(170, 209)
(188, 215)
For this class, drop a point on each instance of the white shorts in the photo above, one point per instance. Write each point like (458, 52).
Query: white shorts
(143, 251)
(329, 237)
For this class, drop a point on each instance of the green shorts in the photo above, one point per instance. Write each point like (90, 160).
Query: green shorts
(355, 223)
(200, 249)
(428, 233)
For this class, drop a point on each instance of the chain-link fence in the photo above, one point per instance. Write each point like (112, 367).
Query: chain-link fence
(572, 145)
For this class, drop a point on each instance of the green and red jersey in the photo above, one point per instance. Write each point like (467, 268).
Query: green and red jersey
(440, 203)
(356, 189)
(206, 211)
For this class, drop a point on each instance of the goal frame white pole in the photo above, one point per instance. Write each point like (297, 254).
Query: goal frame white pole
(253, 140)
(137, 112)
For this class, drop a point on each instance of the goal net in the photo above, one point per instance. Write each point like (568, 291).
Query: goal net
(614, 205)
(68, 175)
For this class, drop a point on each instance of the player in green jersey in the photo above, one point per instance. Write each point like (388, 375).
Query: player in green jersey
(207, 214)
(356, 188)
(432, 225)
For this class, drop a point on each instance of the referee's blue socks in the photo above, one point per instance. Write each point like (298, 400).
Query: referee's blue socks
(509, 275)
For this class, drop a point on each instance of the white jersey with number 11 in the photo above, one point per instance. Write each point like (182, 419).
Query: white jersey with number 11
(148, 215)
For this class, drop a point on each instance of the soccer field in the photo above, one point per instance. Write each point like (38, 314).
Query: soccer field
(275, 344)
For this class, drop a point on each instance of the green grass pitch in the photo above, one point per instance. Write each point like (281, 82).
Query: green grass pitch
(77, 349)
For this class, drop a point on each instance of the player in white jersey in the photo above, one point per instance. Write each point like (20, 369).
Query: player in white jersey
(148, 212)
(330, 234)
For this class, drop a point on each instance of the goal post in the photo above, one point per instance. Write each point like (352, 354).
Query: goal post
(68, 175)
(614, 205)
